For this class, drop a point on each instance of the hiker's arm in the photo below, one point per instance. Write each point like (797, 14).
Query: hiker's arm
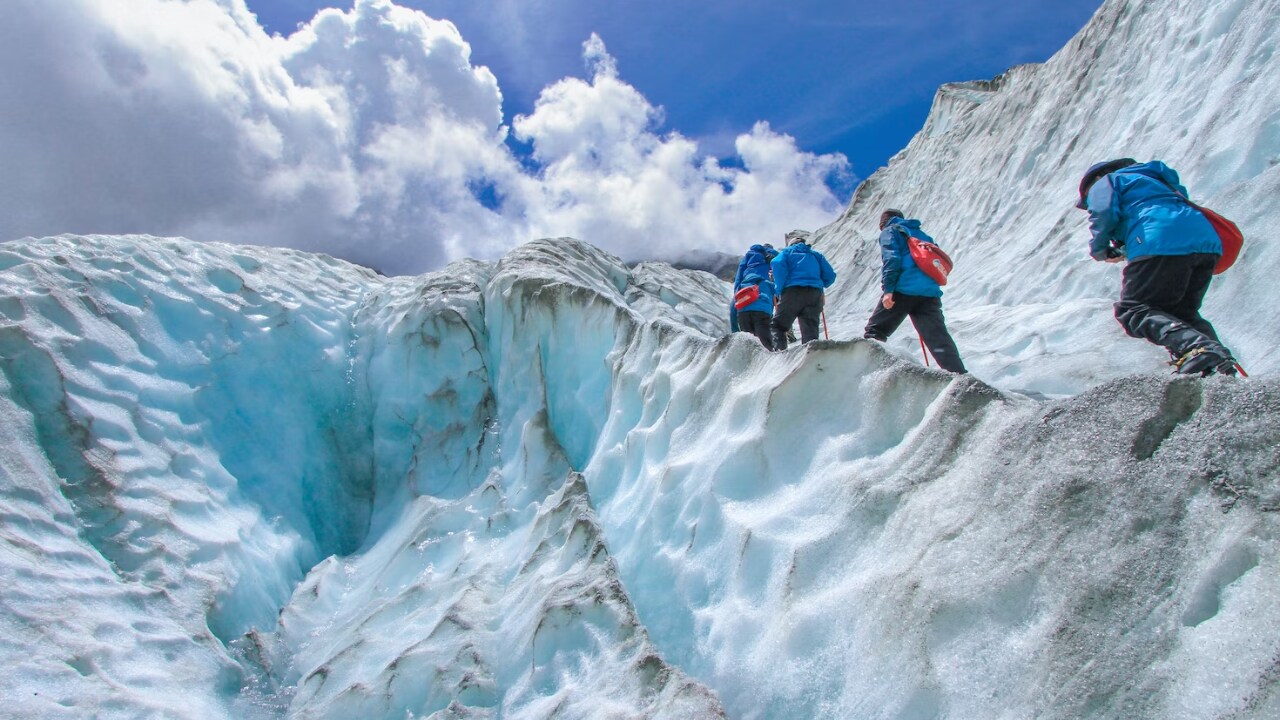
(1104, 221)
(779, 266)
(891, 268)
(828, 272)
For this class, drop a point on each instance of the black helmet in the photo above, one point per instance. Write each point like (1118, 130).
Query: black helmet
(1097, 171)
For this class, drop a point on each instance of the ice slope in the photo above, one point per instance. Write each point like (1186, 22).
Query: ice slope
(242, 482)
(200, 439)
(993, 175)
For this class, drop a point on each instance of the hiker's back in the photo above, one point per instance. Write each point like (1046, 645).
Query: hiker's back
(1155, 218)
(912, 280)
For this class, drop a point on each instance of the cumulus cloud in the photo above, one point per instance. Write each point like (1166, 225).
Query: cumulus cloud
(611, 179)
(367, 134)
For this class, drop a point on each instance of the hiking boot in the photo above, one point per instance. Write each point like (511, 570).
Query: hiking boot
(1204, 362)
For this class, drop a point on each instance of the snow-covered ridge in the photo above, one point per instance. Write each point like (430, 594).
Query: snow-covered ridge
(502, 491)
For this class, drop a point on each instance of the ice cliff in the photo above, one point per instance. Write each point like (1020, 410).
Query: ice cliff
(255, 483)
(993, 175)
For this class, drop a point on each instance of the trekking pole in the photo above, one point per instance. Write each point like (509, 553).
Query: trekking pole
(1240, 370)
(827, 336)
(924, 353)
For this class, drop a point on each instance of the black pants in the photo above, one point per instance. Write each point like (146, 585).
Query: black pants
(804, 303)
(926, 315)
(758, 324)
(1160, 301)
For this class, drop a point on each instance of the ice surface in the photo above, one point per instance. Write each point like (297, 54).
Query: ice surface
(993, 175)
(272, 483)
(253, 483)
(305, 490)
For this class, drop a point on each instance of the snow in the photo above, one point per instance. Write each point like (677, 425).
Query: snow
(245, 482)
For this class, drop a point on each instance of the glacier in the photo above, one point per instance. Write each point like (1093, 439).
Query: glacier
(248, 482)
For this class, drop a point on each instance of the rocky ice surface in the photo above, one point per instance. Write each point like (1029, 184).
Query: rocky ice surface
(242, 482)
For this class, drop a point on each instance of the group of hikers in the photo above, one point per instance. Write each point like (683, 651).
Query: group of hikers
(1139, 213)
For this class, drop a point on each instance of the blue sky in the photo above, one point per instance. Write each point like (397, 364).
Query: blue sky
(854, 77)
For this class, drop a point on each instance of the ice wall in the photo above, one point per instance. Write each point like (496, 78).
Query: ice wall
(993, 175)
(154, 402)
(244, 482)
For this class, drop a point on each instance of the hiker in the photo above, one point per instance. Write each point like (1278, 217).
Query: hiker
(800, 274)
(909, 292)
(756, 260)
(756, 318)
(1140, 213)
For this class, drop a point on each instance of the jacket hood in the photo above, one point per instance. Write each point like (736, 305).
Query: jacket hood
(908, 223)
(1155, 170)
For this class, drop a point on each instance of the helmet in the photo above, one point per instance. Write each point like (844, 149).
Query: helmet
(797, 236)
(888, 215)
(1097, 172)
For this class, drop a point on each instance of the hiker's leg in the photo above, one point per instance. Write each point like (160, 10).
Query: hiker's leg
(810, 315)
(758, 324)
(1152, 287)
(884, 322)
(926, 315)
(1188, 308)
(789, 306)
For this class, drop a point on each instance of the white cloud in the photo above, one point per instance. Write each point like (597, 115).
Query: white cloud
(367, 134)
(610, 179)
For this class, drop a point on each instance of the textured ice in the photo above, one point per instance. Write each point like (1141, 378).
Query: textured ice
(994, 172)
(272, 482)
(500, 491)
(252, 483)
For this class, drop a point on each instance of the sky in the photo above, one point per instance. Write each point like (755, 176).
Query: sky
(403, 135)
(854, 77)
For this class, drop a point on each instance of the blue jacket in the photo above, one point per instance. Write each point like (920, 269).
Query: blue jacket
(899, 272)
(755, 261)
(1143, 209)
(801, 266)
(765, 302)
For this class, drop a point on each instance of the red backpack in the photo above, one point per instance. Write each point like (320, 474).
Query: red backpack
(930, 258)
(746, 296)
(1230, 235)
(1228, 232)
